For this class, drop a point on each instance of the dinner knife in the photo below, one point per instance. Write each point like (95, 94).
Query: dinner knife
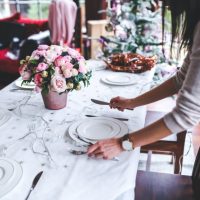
(119, 118)
(34, 183)
(104, 103)
(20, 89)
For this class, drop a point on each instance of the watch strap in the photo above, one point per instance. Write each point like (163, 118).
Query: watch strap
(126, 137)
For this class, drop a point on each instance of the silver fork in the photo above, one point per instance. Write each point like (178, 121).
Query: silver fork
(89, 144)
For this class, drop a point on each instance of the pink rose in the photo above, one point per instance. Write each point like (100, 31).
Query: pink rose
(41, 67)
(59, 61)
(79, 58)
(58, 70)
(67, 65)
(21, 69)
(67, 73)
(37, 54)
(62, 61)
(43, 47)
(73, 53)
(38, 79)
(26, 75)
(58, 83)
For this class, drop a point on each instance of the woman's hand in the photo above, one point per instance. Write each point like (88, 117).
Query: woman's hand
(106, 149)
(120, 103)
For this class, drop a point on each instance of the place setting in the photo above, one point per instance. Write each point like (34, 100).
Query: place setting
(120, 79)
(93, 128)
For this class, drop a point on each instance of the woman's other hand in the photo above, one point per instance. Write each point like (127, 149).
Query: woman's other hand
(120, 103)
(106, 149)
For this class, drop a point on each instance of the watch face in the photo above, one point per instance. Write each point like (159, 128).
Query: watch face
(127, 145)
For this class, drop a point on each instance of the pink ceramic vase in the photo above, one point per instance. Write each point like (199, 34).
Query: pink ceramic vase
(54, 100)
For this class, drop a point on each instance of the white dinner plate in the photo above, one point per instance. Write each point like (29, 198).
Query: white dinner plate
(4, 117)
(10, 175)
(98, 128)
(72, 130)
(30, 85)
(120, 79)
(95, 64)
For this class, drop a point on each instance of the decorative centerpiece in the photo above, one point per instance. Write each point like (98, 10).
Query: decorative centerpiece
(55, 70)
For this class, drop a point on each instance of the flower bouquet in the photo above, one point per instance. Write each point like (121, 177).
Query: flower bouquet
(55, 70)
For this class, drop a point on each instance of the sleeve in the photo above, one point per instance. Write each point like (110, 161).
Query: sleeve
(186, 113)
(180, 75)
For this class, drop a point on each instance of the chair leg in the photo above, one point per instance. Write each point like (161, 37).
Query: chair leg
(178, 164)
(172, 159)
(148, 164)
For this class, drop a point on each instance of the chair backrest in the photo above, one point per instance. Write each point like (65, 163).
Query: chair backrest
(196, 176)
(9, 30)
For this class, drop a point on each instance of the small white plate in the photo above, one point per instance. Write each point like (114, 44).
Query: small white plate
(10, 175)
(30, 85)
(120, 79)
(72, 130)
(98, 129)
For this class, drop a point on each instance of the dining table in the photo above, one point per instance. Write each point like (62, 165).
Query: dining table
(37, 139)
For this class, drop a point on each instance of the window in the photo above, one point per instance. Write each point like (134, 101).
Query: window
(34, 9)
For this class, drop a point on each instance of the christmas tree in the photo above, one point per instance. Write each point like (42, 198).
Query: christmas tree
(137, 28)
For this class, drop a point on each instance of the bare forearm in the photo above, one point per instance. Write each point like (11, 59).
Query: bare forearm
(164, 90)
(149, 134)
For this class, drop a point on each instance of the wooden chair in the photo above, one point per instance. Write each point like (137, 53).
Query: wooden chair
(160, 186)
(173, 144)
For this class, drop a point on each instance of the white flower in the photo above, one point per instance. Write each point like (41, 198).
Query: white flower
(44, 74)
(50, 56)
(78, 87)
(74, 72)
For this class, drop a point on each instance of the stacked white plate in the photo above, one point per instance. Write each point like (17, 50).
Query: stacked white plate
(19, 84)
(120, 79)
(4, 117)
(10, 175)
(96, 128)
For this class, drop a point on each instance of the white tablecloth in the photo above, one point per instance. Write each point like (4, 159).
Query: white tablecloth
(68, 176)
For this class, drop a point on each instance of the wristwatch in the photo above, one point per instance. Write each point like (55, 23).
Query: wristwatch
(127, 144)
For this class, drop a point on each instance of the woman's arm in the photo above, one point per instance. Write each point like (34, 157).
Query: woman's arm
(110, 148)
(166, 89)
(149, 134)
